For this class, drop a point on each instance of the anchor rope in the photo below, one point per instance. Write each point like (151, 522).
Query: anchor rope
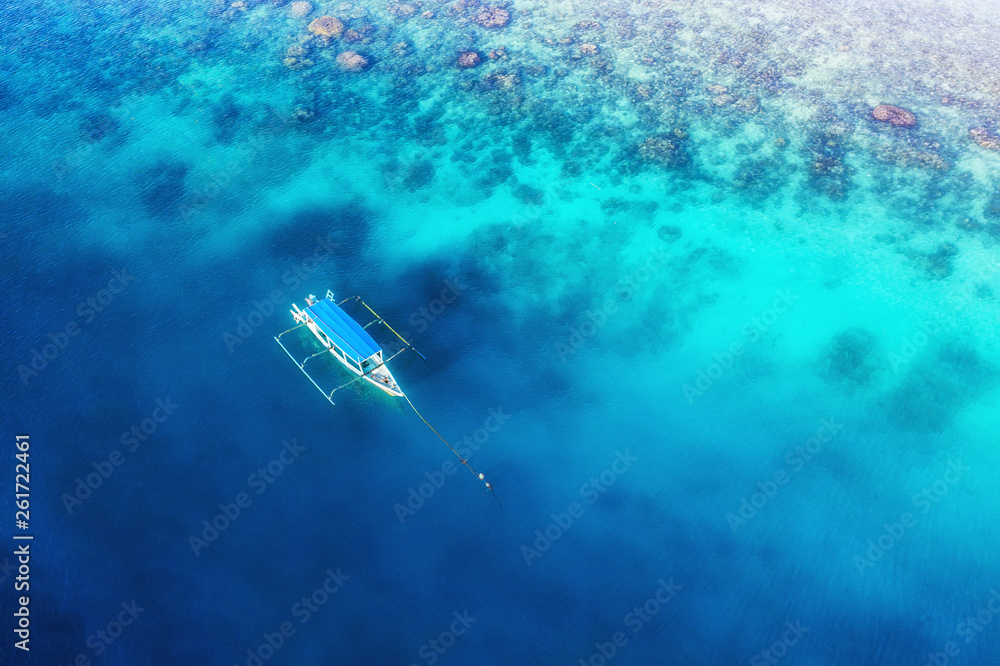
(380, 320)
(462, 460)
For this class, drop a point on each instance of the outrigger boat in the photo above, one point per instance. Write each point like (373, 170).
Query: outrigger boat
(352, 345)
(348, 342)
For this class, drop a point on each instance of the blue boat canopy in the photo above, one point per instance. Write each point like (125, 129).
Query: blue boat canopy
(343, 331)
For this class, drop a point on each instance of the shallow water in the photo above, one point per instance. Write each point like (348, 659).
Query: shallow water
(724, 344)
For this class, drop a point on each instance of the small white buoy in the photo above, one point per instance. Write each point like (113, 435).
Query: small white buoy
(482, 476)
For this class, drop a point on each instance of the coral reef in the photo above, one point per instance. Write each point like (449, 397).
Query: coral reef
(162, 187)
(326, 26)
(827, 148)
(667, 150)
(985, 138)
(299, 9)
(894, 115)
(295, 57)
(97, 126)
(351, 61)
(756, 179)
(492, 17)
(853, 357)
(403, 10)
(468, 59)
(302, 115)
(938, 263)
(992, 207)
(669, 233)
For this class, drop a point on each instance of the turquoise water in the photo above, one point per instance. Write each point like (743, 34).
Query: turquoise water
(724, 344)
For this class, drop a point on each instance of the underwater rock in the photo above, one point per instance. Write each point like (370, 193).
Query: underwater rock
(351, 61)
(716, 89)
(588, 49)
(326, 26)
(468, 59)
(492, 17)
(497, 53)
(748, 104)
(985, 138)
(299, 9)
(723, 100)
(894, 115)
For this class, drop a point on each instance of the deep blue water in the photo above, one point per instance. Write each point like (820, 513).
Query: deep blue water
(724, 344)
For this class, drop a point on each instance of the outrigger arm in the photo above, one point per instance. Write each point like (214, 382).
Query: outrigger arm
(380, 320)
(374, 368)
